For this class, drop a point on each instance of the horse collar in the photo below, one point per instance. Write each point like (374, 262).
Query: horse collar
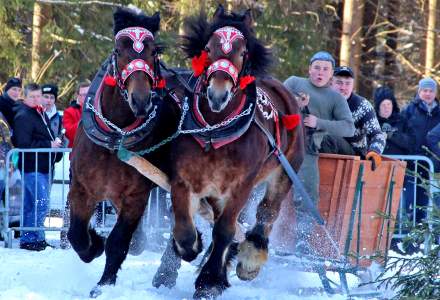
(99, 131)
(223, 135)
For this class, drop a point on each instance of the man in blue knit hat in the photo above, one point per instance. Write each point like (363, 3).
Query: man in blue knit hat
(325, 112)
(421, 115)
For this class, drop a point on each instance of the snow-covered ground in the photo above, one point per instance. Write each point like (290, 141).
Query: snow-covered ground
(59, 274)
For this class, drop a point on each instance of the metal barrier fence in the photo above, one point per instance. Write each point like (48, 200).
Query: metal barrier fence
(12, 214)
(156, 221)
(157, 218)
(413, 185)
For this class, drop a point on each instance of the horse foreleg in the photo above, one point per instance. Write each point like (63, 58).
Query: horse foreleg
(118, 241)
(187, 239)
(253, 251)
(213, 277)
(84, 239)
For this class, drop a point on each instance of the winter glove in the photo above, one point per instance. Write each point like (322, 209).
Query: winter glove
(375, 158)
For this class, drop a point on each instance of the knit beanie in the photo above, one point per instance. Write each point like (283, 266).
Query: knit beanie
(428, 83)
(323, 55)
(12, 82)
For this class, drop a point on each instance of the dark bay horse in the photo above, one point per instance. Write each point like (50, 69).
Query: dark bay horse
(231, 111)
(123, 108)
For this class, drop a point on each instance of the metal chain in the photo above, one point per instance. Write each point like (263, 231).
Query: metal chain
(179, 130)
(119, 130)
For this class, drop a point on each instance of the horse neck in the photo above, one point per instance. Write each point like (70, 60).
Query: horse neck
(115, 108)
(214, 117)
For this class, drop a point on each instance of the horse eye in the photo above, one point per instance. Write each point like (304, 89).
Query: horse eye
(118, 52)
(207, 49)
(243, 54)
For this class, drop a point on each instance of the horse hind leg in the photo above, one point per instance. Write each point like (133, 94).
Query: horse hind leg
(84, 239)
(170, 263)
(253, 251)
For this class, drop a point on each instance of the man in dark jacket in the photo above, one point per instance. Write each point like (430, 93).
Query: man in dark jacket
(32, 130)
(433, 141)
(50, 94)
(8, 99)
(421, 115)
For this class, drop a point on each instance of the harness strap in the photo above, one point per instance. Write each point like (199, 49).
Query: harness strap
(307, 201)
(179, 78)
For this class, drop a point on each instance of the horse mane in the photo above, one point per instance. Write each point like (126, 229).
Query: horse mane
(198, 31)
(126, 17)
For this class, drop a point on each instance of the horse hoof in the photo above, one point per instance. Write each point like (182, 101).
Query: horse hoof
(244, 274)
(166, 279)
(208, 293)
(95, 292)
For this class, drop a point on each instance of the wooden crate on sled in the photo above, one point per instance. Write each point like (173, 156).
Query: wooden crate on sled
(349, 186)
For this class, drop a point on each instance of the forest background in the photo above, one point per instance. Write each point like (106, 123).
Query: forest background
(386, 42)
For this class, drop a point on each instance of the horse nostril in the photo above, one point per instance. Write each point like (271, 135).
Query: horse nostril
(209, 93)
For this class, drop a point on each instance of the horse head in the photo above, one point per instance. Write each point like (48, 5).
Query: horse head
(135, 58)
(226, 52)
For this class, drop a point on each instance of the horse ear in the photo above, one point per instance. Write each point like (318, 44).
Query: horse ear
(248, 18)
(156, 16)
(156, 21)
(220, 11)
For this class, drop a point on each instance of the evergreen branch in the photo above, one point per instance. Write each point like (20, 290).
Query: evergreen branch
(86, 2)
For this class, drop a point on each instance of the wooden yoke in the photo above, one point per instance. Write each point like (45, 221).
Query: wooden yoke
(146, 168)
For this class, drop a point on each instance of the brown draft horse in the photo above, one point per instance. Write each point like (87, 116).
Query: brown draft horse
(221, 166)
(128, 111)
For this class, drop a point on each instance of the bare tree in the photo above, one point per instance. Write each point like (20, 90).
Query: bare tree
(347, 21)
(430, 37)
(36, 38)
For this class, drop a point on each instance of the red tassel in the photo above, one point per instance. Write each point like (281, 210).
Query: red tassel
(110, 81)
(245, 80)
(199, 63)
(291, 121)
(161, 84)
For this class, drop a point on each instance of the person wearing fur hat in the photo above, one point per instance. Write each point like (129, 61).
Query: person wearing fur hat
(391, 122)
(50, 96)
(11, 94)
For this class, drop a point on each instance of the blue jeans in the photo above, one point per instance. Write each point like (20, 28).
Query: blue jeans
(36, 205)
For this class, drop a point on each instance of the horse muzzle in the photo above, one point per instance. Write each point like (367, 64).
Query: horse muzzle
(141, 105)
(218, 100)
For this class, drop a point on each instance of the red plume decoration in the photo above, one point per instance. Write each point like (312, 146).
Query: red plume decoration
(245, 80)
(110, 81)
(291, 121)
(160, 84)
(199, 63)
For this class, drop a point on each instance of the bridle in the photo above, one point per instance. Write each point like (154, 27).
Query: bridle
(240, 79)
(137, 35)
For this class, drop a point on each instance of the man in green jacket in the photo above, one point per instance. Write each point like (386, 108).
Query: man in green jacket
(325, 112)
